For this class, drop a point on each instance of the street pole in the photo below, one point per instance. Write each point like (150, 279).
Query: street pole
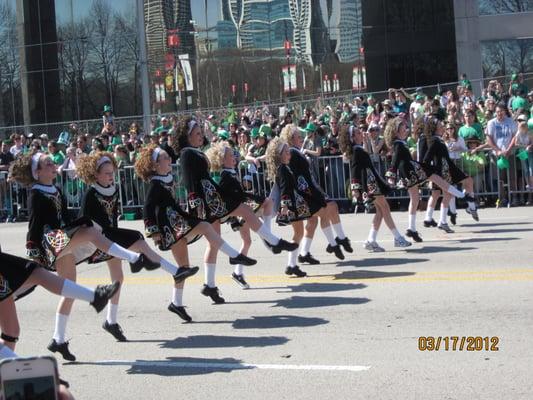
(143, 67)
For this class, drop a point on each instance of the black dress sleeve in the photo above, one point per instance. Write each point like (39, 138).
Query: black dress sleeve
(395, 162)
(151, 204)
(194, 168)
(356, 169)
(34, 237)
(285, 181)
(231, 186)
(91, 208)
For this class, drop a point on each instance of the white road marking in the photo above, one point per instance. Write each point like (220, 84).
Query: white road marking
(210, 365)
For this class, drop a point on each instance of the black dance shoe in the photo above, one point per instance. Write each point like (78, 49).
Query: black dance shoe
(180, 311)
(213, 292)
(283, 245)
(345, 243)
(335, 249)
(240, 280)
(102, 294)
(295, 271)
(413, 235)
(184, 272)
(143, 262)
(430, 224)
(308, 258)
(242, 259)
(115, 330)
(61, 348)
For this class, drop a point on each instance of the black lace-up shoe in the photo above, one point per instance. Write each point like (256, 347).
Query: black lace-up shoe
(242, 259)
(143, 262)
(115, 330)
(102, 294)
(180, 311)
(240, 280)
(295, 271)
(335, 249)
(413, 235)
(184, 272)
(309, 259)
(61, 348)
(214, 293)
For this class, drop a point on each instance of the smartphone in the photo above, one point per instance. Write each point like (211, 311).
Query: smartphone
(29, 378)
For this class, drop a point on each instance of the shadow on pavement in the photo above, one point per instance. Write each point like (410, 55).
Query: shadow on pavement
(278, 321)
(484, 224)
(503, 230)
(365, 274)
(319, 301)
(322, 287)
(439, 249)
(380, 262)
(479, 240)
(214, 341)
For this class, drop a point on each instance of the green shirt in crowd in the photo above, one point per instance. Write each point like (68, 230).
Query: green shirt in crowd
(58, 158)
(472, 132)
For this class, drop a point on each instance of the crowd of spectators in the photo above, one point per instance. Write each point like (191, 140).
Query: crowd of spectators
(494, 128)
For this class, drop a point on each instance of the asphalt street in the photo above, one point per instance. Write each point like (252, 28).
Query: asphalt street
(350, 330)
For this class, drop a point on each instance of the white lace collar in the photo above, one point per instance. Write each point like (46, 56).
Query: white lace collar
(45, 188)
(163, 178)
(401, 141)
(230, 170)
(105, 191)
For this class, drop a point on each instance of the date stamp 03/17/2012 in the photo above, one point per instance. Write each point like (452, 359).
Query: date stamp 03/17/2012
(458, 343)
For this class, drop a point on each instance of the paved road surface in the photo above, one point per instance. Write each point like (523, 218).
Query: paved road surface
(348, 331)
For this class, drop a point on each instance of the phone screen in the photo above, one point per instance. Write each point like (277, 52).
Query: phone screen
(37, 388)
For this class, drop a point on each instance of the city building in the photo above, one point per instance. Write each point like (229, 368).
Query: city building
(63, 60)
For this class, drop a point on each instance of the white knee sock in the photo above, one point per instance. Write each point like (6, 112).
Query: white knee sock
(239, 269)
(338, 230)
(305, 245)
(372, 235)
(267, 220)
(112, 312)
(210, 271)
(265, 233)
(118, 251)
(177, 296)
(471, 204)
(443, 215)
(168, 267)
(412, 222)
(228, 250)
(60, 328)
(396, 234)
(452, 207)
(293, 257)
(6, 352)
(328, 233)
(454, 191)
(429, 213)
(72, 290)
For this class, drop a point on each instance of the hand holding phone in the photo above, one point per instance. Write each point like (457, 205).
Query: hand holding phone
(27, 378)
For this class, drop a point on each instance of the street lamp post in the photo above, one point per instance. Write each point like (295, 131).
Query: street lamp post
(288, 54)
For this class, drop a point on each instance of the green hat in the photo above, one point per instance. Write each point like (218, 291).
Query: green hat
(223, 134)
(310, 127)
(230, 104)
(265, 129)
(302, 131)
(107, 108)
(254, 133)
(420, 97)
(514, 77)
(370, 97)
(116, 140)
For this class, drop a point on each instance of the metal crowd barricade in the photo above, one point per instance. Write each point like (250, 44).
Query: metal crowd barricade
(333, 176)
